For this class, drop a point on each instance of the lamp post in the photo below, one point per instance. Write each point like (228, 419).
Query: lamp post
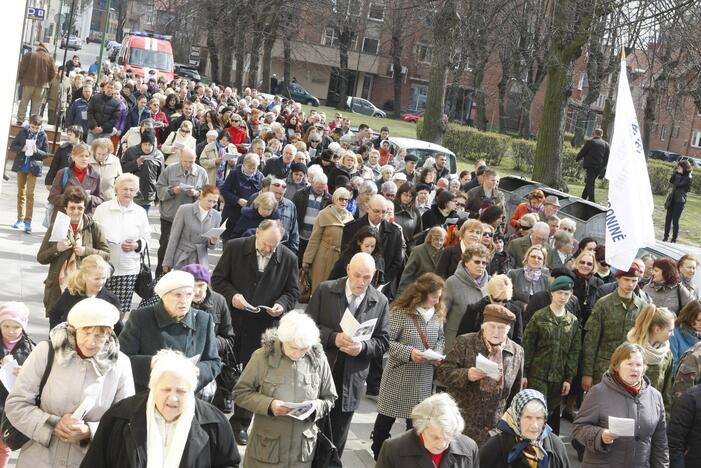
(102, 41)
(58, 27)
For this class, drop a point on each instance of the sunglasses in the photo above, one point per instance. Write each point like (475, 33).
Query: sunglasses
(586, 263)
(487, 234)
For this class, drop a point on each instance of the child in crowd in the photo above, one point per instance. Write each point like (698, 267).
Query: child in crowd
(31, 147)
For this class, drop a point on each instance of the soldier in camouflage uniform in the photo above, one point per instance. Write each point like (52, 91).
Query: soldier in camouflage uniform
(551, 346)
(612, 317)
(688, 373)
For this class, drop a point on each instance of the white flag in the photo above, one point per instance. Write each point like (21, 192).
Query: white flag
(629, 215)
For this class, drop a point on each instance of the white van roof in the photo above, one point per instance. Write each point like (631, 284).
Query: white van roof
(419, 144)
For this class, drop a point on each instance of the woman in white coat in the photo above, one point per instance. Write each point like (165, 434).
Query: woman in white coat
(87, 366)
(177, 141)
(127, 230)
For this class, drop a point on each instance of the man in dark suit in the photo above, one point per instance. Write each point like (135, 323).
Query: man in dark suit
(257, 270)
(349, 359)
(595, 153)
(390, 235)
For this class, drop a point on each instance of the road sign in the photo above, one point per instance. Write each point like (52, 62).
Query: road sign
(195, 55)
(36, 14)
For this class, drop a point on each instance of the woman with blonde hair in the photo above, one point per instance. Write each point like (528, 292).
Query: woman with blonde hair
(106, 164)
(416, 326)
(533, 277)
(87, 281)
(652, 330)
(586, 283)
(324, 247)
(470, 233)
(177, 141)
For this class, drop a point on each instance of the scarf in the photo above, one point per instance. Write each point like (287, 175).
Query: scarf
(653, 355)
(581, 275)
(531, 451)
(163, 453)
(80, 173)
(632, 389)
(10, 344)
(532, 274)
(494, 354)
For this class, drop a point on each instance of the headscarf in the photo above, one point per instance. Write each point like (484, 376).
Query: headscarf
(532, 450)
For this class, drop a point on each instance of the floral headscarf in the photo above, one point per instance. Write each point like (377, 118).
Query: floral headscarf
(532, 451)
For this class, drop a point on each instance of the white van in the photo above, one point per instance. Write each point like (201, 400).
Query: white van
(423, 150)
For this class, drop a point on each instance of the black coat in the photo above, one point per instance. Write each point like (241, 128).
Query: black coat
(681, 184)
(494, 452)
(237, 273)
(300, 200)
(684, 430)
(103, 112)
(595, 153)
(120, 440)
(147, 173)
(409, 219)
(406, 451)
(474, 316)
(326, 307)
(215, 304)
(434, 217)
(449, 260)
(59, 312)
(392, 242)
(61, 159)
(339, 268)
(586, 292)
(336, 172)
(277, 167)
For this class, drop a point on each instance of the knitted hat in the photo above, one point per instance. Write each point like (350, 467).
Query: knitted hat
(147, 136)
(562, 283)
(498, 314)
(173, 280)
(93, 312)
(16, 311)
(298, 167)
(199, 272)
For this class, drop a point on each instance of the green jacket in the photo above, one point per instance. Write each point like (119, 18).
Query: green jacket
(551, 346)
(606, 329)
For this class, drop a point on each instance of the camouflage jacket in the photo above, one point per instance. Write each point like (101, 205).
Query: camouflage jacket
(606, 329)
(688, 372)
(551, 346)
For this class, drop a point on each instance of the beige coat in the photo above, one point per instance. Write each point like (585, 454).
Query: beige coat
(324, 247)
(171, 147)
(208, 160)
(106, 379)
(109, 170)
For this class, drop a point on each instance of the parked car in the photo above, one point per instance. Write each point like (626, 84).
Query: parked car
(358, 105)
(664, 155)
(114, 53)
(695, 162)
(187, 71)
(71, 42)
(298, 94)
(412, 117)
(423, 150)
(675, 252)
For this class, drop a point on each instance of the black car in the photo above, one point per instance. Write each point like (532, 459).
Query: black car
(664, 155)
(187, 71)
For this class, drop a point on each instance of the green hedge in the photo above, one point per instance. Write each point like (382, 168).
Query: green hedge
(469, 143)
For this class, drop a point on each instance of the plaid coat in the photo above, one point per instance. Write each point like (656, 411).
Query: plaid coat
(406, 383)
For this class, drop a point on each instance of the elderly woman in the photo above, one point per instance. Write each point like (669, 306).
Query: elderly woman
(624, 392)
(416, 325)
(187, 243)
(106, 165)
(86, 369)
(177, 141)
(290, 367)
(127, 230)
(212, 158)
(500, 290)
(324, 248)
(687, 331)
(424, 257)
(442, 210)
(83, 237)
(435, 439)
(78, 174)
(467, 286)
(242, 182)
(172, 323)
(482, 398)
(687, 270)
(264, 207)
(533, 277)
(524, 439)
(665, 288)
(470, 233)
(561, 252)
(346, 167)
(88, 281)
(166, 426)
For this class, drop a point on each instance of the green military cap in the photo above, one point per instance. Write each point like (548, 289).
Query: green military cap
(562, 283)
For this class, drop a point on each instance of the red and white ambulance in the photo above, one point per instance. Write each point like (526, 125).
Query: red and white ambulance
(147, 55)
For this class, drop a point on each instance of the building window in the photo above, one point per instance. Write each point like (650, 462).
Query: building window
(424, 53)
(376, 11)
(347, 7)
(696, 139)
(663, 133)
(329, 38)
(371, 46)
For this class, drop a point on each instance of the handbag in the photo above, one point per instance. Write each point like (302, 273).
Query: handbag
(325, 452)
(144, 280)
(305, 286)
(11, 436)
(668, 200)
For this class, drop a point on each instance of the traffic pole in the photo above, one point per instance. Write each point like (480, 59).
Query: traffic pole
(58, 27)
(102, 41)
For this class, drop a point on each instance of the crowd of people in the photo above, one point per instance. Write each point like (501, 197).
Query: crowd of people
(350, 269)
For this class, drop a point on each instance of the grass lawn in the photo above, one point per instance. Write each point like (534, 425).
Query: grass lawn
(396, 127)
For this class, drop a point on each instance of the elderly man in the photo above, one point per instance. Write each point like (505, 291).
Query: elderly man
(287, 212)
(551, 206)
(349, 359)
(517, 247)
(486, 194)
(177, 185)
(280, 167)
(173, 324)
(36, 70)
(308, 202)
(390, 235)
(255, 271)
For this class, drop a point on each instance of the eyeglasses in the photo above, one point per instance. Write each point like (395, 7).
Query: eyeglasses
(480, 262)
(389, 195)
(343, 199)
(314, 141)
(582, 262)
(487, 234)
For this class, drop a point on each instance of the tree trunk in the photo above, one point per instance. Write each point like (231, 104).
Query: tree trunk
(240, 55)
(503, 88)
(227, 65)
(481, 120)
(255, 61)
(525, 104)
(445, 25)
(343, 69)
(286, 64)
(548, 160)
(268, 44)
(213, 54)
